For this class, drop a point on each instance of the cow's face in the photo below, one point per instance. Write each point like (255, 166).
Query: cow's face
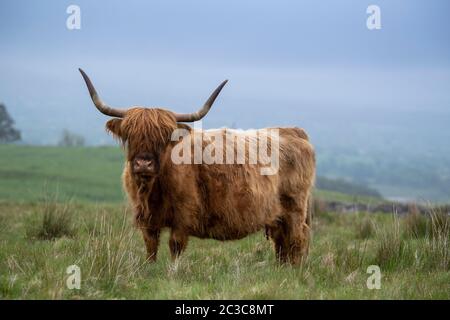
(145, 133)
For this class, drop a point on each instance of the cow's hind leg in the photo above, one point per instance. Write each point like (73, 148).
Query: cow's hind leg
(298, 241)
(177, 243)
(298, 230)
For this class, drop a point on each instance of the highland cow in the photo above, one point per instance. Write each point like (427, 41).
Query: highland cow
(215, 200)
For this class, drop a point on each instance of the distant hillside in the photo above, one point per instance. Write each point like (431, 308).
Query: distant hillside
(346, 187)
(401, 174)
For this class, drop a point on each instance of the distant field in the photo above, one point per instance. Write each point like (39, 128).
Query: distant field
(87, 174)
(29, 173)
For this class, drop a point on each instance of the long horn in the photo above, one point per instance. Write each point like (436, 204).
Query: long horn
(101, 106)
(191, 117)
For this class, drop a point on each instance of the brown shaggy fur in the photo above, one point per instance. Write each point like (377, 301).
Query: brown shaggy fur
(218, 201)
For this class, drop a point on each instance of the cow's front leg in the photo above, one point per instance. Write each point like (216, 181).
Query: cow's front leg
(177, 243)
(151, 238)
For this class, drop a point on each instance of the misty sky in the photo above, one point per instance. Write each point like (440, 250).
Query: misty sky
(308, 63)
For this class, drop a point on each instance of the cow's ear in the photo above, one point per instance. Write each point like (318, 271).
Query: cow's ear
(184, 126)
(114, 126)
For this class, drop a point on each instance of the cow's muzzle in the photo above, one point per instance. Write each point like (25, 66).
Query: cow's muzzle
(144, 166)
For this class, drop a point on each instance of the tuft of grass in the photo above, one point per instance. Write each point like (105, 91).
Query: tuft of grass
(416, 225)
(435, 223)
(436, 249)
(440, 223)
(353, 256)
(54, 221)
(110, 253)
(365, 229)
(392, 250)
(418, 241)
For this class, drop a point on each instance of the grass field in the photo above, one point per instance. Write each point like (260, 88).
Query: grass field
(41, 235)
(28, 173)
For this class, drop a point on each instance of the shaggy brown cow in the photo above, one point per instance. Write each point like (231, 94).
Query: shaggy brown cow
(212, 200)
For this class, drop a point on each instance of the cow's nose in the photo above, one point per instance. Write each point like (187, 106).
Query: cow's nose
(143, 166)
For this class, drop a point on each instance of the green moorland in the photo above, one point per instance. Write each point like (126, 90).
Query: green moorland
(28, 173)
(41, 235)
